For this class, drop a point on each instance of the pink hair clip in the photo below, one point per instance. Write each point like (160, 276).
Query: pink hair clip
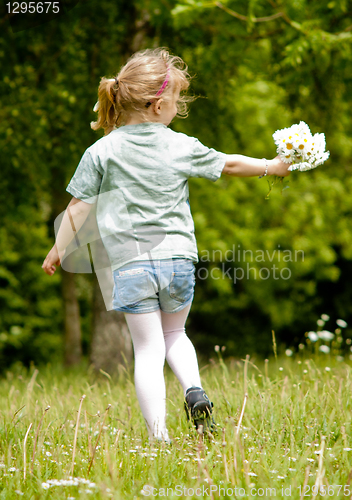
(162, 88)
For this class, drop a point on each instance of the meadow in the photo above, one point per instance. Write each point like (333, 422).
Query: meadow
(283, 430)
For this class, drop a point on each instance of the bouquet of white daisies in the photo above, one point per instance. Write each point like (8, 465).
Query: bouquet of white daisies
(298, 146)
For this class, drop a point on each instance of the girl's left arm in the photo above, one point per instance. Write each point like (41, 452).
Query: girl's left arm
(245, 166)
(76, 213)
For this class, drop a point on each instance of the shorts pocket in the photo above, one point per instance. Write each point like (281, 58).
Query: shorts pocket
(182, 285)
(130, 289)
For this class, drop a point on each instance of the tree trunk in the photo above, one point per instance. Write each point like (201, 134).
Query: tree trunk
(72, 338)
(111, 342)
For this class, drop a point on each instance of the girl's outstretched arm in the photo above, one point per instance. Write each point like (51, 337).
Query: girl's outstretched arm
(244, 166)
(75, 214)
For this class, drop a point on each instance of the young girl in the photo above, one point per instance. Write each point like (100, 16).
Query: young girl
(145, 221)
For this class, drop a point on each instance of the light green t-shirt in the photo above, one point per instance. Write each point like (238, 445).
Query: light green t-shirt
(138, 177)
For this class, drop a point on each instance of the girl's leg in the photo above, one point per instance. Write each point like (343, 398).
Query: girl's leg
(180, 353)
(149, 352)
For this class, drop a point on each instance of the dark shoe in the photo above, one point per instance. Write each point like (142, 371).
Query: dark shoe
(199, 409)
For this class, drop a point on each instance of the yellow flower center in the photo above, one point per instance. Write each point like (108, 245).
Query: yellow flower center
(289, 146)
(301, 146)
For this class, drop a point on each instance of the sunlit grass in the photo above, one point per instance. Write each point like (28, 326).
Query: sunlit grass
(295, 431)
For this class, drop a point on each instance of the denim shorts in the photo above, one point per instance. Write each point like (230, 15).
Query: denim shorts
(146, 286)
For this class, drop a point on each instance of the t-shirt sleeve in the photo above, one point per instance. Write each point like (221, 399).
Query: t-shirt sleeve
(206, 162)
(86, 181)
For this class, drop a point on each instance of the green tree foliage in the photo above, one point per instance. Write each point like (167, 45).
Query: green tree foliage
(262, 68)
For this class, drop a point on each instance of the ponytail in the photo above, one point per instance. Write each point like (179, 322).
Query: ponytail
(106, 106)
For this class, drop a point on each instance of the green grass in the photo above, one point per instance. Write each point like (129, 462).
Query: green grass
(296, 431)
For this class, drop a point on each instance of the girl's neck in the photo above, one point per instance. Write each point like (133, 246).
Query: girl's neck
(136, 119)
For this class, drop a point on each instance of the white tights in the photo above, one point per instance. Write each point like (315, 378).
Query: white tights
(156, 336)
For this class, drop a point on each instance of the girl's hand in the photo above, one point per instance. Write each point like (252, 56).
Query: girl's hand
(278, 167)
(53, 259)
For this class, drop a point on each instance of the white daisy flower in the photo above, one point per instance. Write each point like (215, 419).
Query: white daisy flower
(296, 145)
(326, 335)
(304, 166)
(324, 348)
(313, 337)
(341, 323)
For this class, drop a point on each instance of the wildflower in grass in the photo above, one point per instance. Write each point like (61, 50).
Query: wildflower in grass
(320, 322)
(327, 369)
(325, 317)
(347, 449)
(217, 348)
(341, 323)
(326, 335)
(281, 369)
(324, 348)
(288, 352)
(313, 337)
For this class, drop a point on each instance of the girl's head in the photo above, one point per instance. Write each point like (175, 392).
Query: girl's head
(148, 76)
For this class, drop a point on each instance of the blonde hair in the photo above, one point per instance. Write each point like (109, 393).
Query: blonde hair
(137, 84)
